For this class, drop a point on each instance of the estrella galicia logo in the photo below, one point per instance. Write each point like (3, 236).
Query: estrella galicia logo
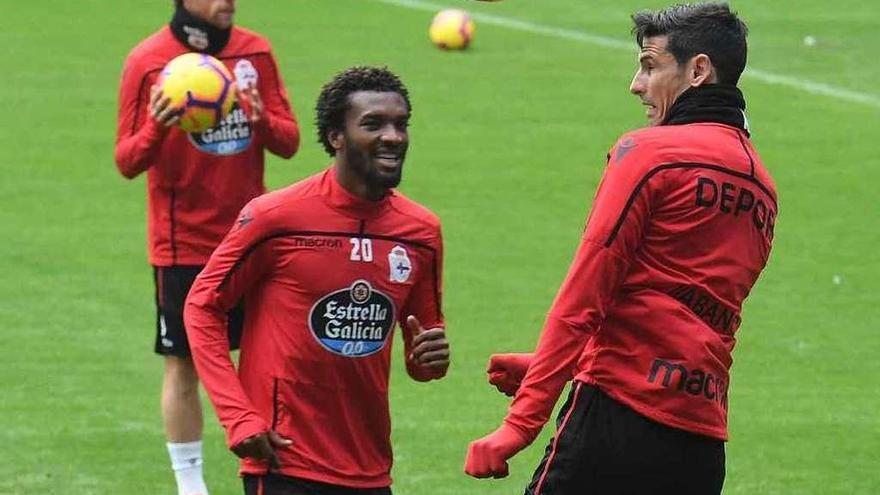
(233, 135)
(354, 321)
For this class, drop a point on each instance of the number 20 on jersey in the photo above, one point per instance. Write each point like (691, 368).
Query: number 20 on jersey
(361, 249)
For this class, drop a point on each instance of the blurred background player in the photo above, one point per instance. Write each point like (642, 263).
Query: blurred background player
(327, 267)
(196, 184)
(680, 230)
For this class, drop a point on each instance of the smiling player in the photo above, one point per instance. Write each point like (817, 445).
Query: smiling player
(327, 267)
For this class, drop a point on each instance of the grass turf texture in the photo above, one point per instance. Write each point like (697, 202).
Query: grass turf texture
(508, 143)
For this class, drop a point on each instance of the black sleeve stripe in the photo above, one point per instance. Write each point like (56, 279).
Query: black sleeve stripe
(172, 224)
(671, 166)
(435, 272)
(298, 233)
(137, 108)
(276, 403)
(746, 150)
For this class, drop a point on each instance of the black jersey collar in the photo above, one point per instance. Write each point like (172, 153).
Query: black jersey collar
(197, 34)
(719, 103)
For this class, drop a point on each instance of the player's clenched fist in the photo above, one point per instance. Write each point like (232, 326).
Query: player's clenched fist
(506, 371)
(487, 457)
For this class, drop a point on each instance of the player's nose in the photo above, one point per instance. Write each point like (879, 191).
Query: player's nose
(636, 86)
(392, 135)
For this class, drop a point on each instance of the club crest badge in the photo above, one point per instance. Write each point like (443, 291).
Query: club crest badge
(360, 291)
(245, 74)
(399, 264)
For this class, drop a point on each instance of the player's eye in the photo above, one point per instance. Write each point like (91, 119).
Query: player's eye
(371, 125)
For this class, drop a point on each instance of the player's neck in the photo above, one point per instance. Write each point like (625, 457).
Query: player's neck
(718, 103)
(356, 185)
(198, 34)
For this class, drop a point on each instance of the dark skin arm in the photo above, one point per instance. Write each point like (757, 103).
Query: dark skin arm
(430, 349)
(262, 447)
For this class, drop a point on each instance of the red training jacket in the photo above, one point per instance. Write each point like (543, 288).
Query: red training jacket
(196, 184)
(324, 276)
(681, 227)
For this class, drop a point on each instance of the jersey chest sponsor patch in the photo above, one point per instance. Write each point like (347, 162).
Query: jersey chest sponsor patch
(232, 136)
(354, 321)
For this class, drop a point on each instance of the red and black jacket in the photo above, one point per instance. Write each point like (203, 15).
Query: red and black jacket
(681, 228)
(197, 183)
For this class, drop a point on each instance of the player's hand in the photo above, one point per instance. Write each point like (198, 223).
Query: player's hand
(251, 102)
(506, 371)
(262, 447)
(487, 457)
(430, 349)
(161, 110)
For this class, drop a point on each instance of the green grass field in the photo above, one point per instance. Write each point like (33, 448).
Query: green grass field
(507, 144)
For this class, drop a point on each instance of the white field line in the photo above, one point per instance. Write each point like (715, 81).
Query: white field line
(797, 83)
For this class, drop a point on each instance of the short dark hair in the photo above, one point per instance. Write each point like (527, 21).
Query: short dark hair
(334, 101)
(709, 28)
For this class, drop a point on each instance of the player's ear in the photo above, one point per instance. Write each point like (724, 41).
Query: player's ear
(702, 71)
(336, 138)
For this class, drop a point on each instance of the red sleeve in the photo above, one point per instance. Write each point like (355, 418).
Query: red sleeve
(425, 303)
(240, 260)
(621, 210)
(278, 127)
(138, 137)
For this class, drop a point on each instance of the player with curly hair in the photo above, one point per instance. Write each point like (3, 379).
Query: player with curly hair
(327, 267)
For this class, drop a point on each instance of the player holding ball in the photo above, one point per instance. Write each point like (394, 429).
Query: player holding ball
(196, 184)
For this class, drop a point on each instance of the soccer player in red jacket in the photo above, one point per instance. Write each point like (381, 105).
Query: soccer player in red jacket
(645, 321)
(196, 184)
(327, 267)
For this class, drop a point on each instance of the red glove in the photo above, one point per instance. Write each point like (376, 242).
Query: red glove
(506, 371)
(487, 457)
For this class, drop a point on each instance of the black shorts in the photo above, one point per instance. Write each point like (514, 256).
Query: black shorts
(602, 447)
(277, 484)
(172, 286)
